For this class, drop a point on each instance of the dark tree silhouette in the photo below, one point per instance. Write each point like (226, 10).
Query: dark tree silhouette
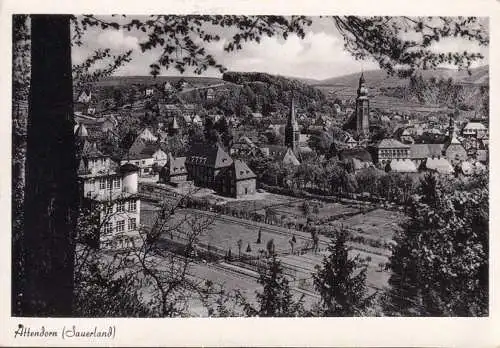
(51, 200)
(276, 298)
(341, 281)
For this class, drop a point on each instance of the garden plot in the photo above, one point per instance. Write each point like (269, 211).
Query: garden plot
(291, 207)
(377, 223)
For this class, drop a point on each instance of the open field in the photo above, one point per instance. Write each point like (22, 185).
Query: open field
(378, 223)
(290, 206)
(225, 232)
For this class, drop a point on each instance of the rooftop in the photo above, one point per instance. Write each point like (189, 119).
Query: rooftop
(391, 144)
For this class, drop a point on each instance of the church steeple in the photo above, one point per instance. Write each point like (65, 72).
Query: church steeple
(362, 110)
(292, 128)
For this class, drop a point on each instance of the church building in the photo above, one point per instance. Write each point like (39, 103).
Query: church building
(359, 122)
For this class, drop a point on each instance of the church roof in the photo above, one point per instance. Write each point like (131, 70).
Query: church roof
(420, 151)
(391, 144)
(290, 158)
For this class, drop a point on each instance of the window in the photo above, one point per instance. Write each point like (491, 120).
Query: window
(108, 227)
(120, 226)
(116, 183)
(132, 224)
(143, 161)
(120, 207)
(109, 208)
(132, 206)
(108, 184)
(102, 184)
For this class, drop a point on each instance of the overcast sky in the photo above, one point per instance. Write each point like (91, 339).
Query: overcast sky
(319, 55)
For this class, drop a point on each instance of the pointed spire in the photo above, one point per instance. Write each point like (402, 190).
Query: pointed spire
(81, 131)
(362, 90)
(174, 124)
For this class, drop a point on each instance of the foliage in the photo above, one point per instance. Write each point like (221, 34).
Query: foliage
(276, 299)
(440, 261)
(341, 281)
(181, 38)
(322, 143)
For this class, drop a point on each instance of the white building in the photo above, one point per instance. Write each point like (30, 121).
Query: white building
(111, 192)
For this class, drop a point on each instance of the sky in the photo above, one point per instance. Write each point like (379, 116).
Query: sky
(320, 55)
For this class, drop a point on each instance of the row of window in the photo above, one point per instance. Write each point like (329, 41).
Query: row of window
(120, 207)
(97, 161)
(120, 226)
(109, 183)
(395, 152)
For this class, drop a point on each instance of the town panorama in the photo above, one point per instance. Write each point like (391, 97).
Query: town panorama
(260, 194)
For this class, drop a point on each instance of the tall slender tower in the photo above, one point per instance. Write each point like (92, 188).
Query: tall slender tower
(292, 129)
(451, 126)
(362, 109)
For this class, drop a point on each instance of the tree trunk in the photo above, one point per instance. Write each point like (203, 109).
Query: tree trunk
(51, 203)
(20, 90)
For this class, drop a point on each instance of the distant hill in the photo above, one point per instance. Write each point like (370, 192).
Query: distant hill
(379, 78)
(150, 80)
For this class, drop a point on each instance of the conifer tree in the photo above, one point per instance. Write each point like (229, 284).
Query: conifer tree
(276, 299)
(341, 281)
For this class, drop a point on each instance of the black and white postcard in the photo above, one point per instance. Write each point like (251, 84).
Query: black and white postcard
(237, 167)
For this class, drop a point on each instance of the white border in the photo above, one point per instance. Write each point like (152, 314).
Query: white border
(473, 332)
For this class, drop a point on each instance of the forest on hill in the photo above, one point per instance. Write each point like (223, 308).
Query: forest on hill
(379, 78)
(268, 93)
(466, 97)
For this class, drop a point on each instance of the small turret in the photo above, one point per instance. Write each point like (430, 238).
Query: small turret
(130, 177)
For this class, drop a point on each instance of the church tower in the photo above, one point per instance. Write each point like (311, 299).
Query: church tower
(451, 127)
(292, 129)
(362, 110)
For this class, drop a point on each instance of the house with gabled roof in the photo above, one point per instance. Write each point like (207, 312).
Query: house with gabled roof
(146, 156)
(440, 165)
(236, 180)
(211, 167)
(174, 171)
